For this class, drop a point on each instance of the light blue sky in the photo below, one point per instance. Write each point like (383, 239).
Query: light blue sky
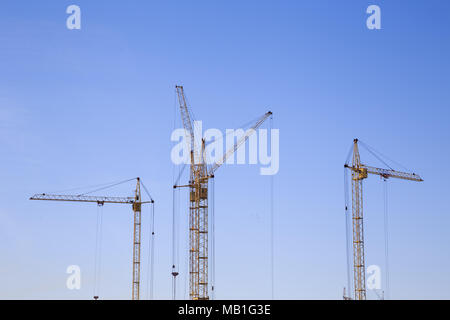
(96, 105)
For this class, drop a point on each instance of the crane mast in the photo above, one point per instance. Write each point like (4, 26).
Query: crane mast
(198, 200)
(198, 221)
(358, 227)
(198, 210)
(359, 173)
(136, 203)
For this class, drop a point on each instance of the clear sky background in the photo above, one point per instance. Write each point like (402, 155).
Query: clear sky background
(89, 106)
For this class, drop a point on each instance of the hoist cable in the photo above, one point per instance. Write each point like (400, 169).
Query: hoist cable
(349, 154)
(213, 241)
(175, 182)
(173, 242)
(375, 155)
(146, 190)
(180, 174)
(152, 259)
(245, 126)
(386, 238)
(151, 254)
(97, 254)
(379, 156)
(272, 258)
(91, 186)
(107, 187)
(386, 157)
(347, 232)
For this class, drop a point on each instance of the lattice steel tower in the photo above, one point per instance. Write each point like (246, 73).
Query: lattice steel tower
(200, 174)
(359, 173)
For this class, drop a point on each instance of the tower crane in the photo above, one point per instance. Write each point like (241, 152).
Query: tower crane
(200, 173)
(136, 203)
(360, 172)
